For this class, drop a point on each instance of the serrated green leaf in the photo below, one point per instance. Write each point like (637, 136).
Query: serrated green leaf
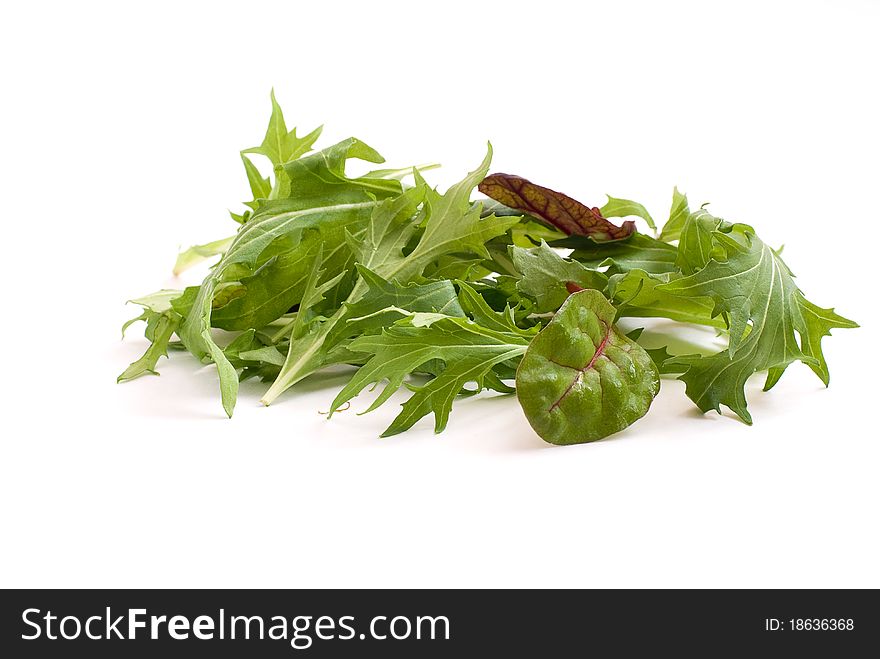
(400, 173)
(279, 145)
(162, 321)
(380, 248)
(261, 187)
(468, 352)
(198, 253)
(319, 178)
(452, 266)
(386, 302)
(545, 276)
(447, 223)
(697, 243)
(301, 329)
(636, 295)
(817, 323)
(452, 225)
(664, 361)
(158, 302)
(277, 285)
(243, 343)
(678, 214)
(615, 207)
(476, 307)
(144, 315)
(265, 354)
(751, 285)
(313, 294)
(637, 251)
(160, 328)
(331, 205)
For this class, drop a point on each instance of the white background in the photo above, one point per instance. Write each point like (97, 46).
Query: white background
(120, 131)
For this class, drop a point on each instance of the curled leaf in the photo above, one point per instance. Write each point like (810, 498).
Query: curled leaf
(566, 214)
(198, 253)
(581, 378)
(616, 207)
(751, 287)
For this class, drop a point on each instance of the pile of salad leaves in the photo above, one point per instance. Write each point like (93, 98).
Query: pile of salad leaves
(521, 292)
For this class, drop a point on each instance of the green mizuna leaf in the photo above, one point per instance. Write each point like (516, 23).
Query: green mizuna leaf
(697, 243)
(467, 351)
(817, 323)
(400, 173)
(319, 178)
(198, 253)
(279, 145)
(476, 308)
(160, 328)
(343, 205)
(162, 322)
(243, 343)
(678, 215)
(581, 378)
(637, 295)
(615, 207)
(312, 295)
(385, 302)
(547, 278)
(637, 251)
(386, 234)
(452, 224)
(261, 187)
(752, 287)
(267, 291)
(445, 224)
(453, 266)
(663, 360)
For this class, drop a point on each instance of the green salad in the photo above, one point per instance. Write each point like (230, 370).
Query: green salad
(451, 294)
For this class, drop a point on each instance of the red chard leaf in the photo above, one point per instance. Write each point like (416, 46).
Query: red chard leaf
(561, 211)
